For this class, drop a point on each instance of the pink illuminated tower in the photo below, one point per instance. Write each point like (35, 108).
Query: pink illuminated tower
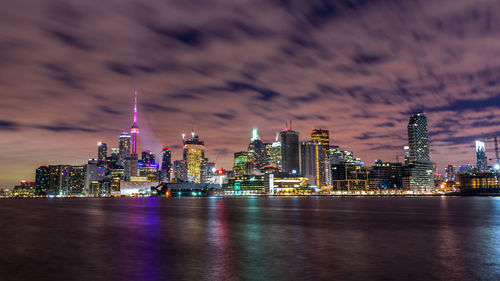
(134, 131)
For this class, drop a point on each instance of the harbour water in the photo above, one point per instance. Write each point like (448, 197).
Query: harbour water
(249, 238)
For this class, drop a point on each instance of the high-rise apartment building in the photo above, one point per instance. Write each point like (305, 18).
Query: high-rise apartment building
(418, 175)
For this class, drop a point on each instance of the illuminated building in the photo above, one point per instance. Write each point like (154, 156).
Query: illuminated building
(285, 184)
(137, 186)
(102, 152)
(418, 138)
(407, 154)
(194, 154)
(76, 181)
(115, 156)
(148, 156)
(313, 159)
(290, 151)
(321, 136)
(246, 185)
(207, 172)
(134, 131)
(124, 146)
(450, 173)
(257, 151)
(93, 174)
(42, 179)
(149, 171)
(240, 163)
(479, 182)
(25, 189)
(180, 170)
(482, 160)
(273, 153)
(349, 177)
(386, 175)
(418, 176)
(166, 164)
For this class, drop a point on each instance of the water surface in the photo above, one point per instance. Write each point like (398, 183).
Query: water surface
(293, 238)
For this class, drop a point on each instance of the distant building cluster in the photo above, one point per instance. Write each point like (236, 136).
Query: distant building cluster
(285, 166)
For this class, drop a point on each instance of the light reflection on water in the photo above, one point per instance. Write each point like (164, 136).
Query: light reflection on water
(292, 238)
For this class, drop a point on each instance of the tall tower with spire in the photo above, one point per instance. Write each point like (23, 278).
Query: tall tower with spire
(134, 131)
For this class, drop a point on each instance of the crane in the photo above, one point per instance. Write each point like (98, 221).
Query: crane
(495, 139)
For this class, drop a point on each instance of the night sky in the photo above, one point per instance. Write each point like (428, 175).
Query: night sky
(68, 70)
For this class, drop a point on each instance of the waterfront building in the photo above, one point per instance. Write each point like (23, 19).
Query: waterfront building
(194, 155)
(480, 182)
(386, 175)
(290, 151)
(418, 175)
(313, 161)
(42, 179)
(285, 184)
(25, 189)
(93, 174)
(349, 177)
(418, 138)
(245, 185)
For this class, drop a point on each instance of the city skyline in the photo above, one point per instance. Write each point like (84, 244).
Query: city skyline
(230, 69)
(418, 145)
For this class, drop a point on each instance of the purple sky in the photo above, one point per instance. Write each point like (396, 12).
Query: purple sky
(355, 67)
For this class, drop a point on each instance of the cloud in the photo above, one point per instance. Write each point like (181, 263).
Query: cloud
(6, 125)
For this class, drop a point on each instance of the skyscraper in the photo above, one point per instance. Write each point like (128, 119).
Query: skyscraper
(321, 136)
(42, 180)
(257, 151)
(313, 160)
(273, 154)
(102, 152)
(482, 160)
(194, 154)
(124, 146)
(418, 138)
(166, 163)
(418, 175)
(290, 151)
